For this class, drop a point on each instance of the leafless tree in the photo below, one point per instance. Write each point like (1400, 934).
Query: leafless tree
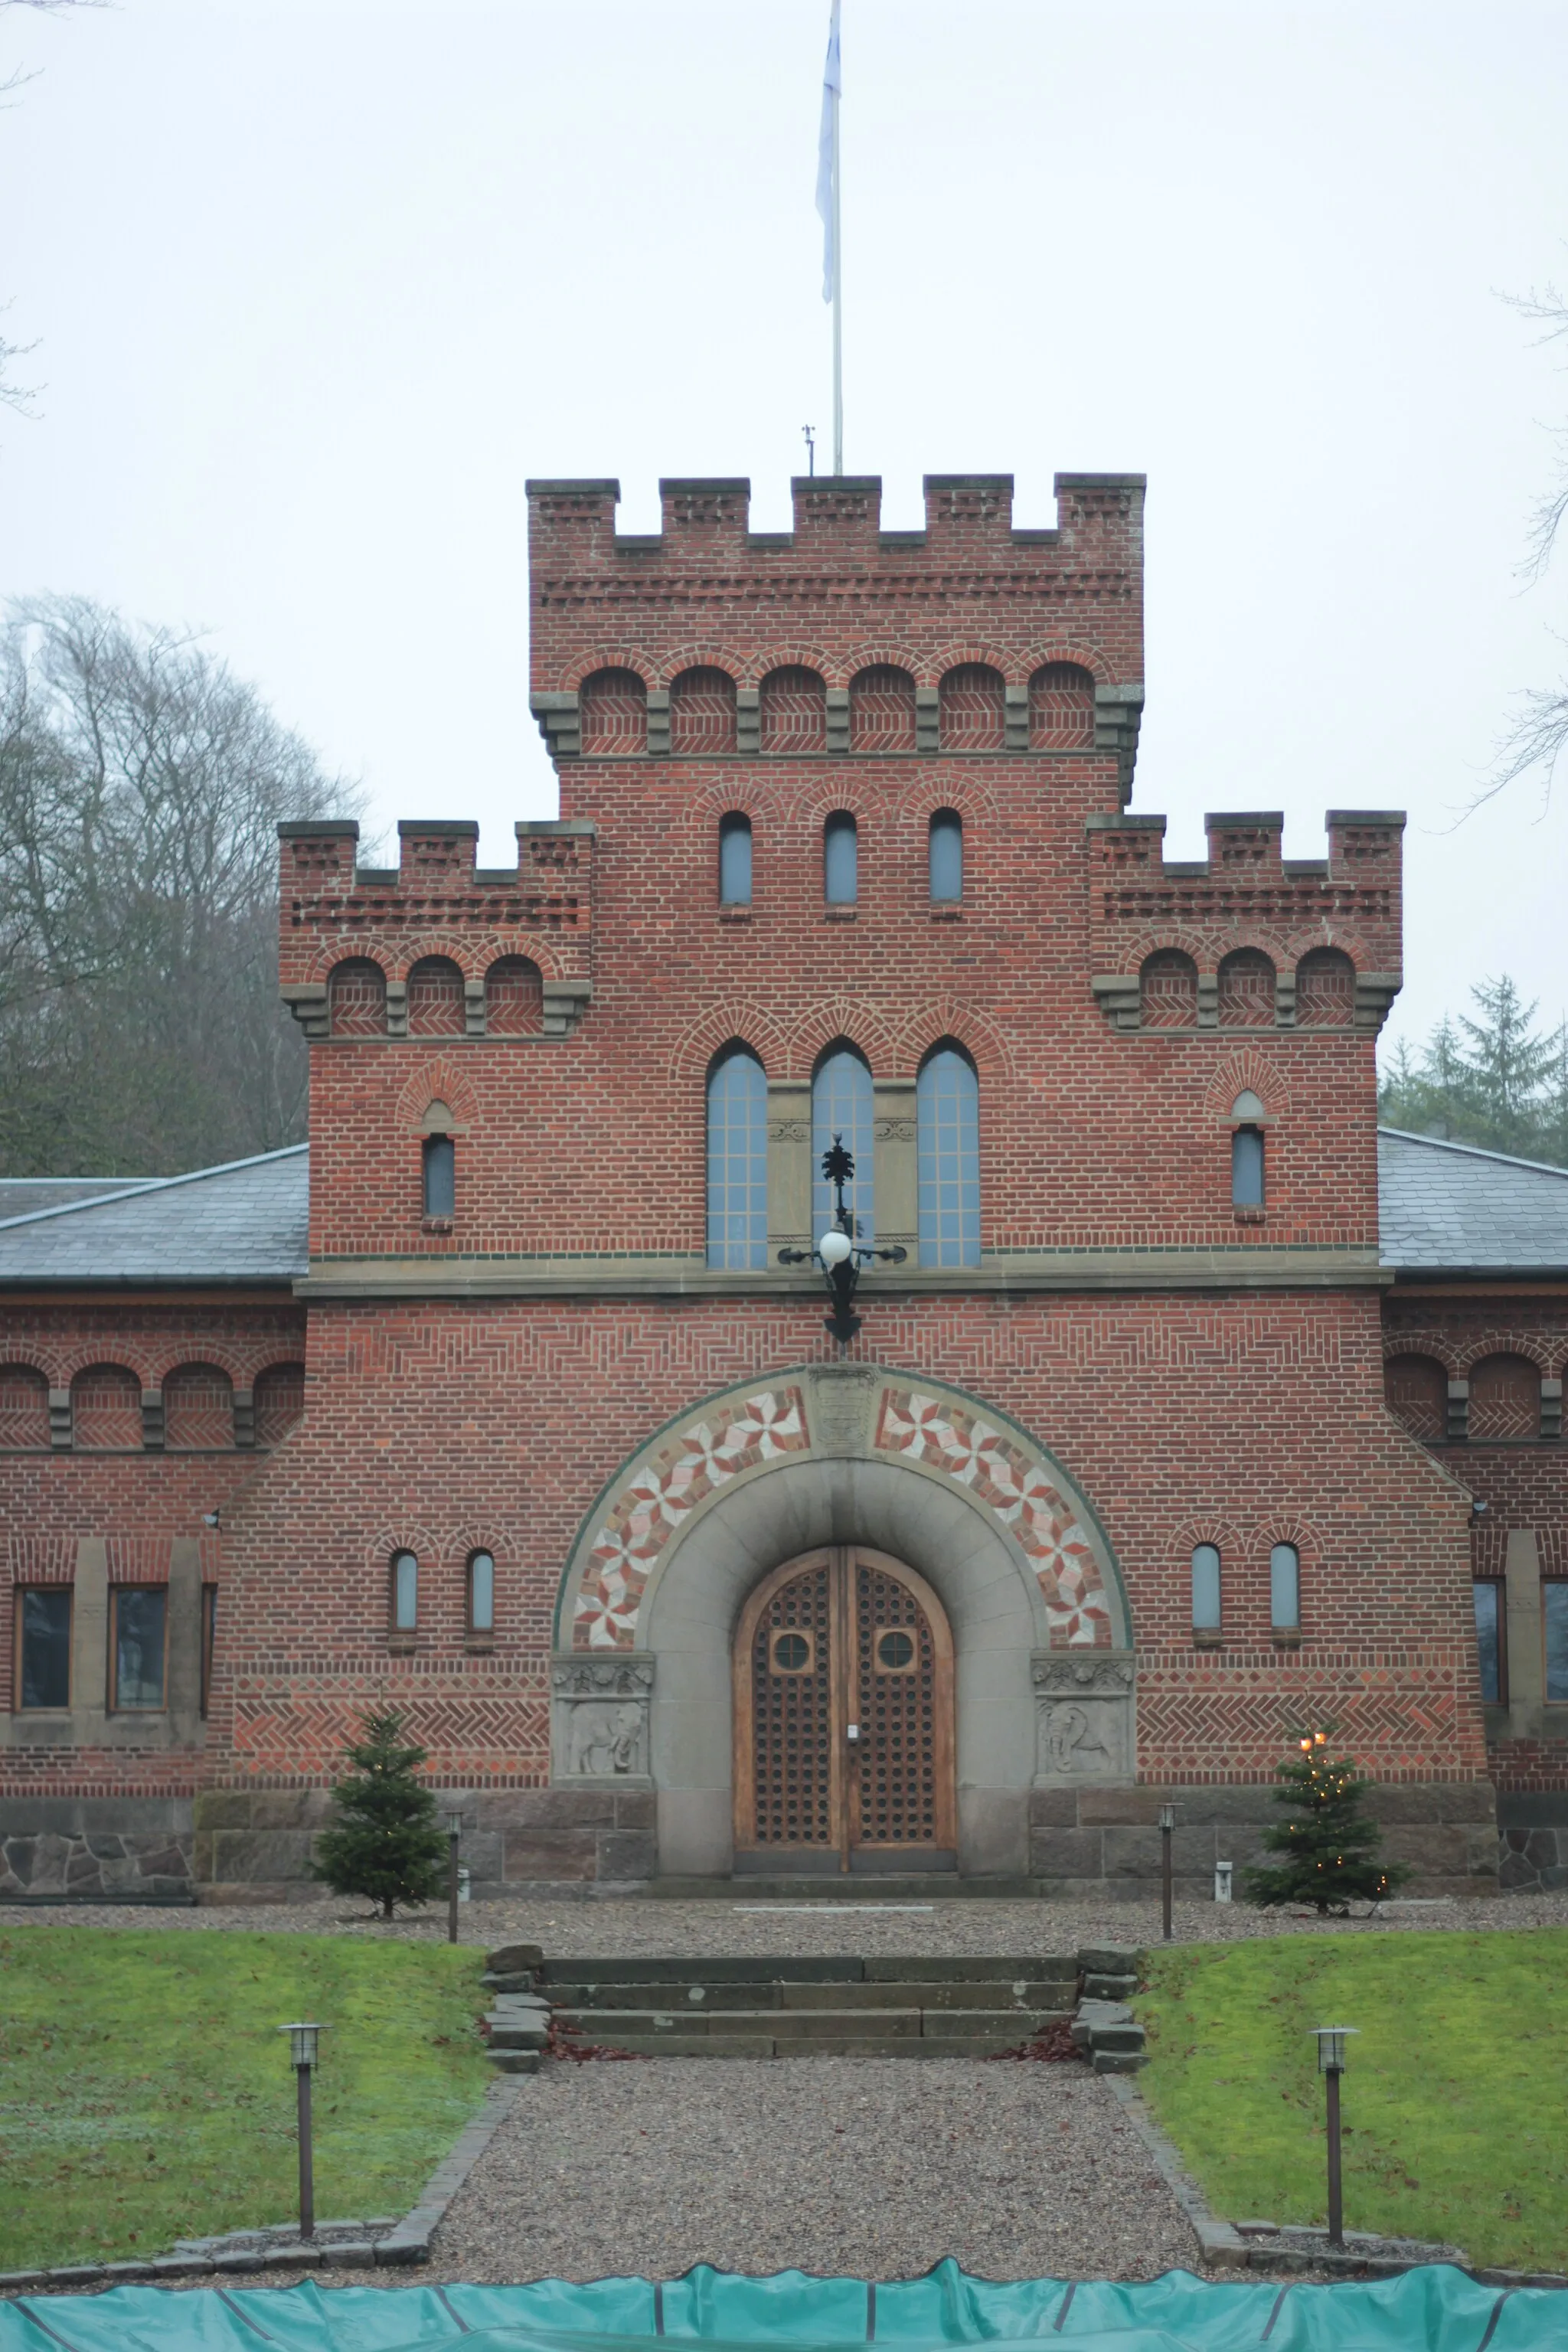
(140, 786)
(1538, 736)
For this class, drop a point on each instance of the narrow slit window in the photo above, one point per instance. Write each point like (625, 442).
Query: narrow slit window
(1490, 1642)
(1205, 1589)
(735, 861)
(946, 858)
(482, 1594)
(1246, 1168)
(1285, 1588)
(140, 1615)
(209, 1637)
(441, 1176)
(43, 1647)
(405, 1592)
(840, 860)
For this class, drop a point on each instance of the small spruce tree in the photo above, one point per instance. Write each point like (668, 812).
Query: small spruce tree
(386, 1842)
(1329, 1844)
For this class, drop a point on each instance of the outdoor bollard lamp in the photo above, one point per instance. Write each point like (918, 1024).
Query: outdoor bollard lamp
(1332, 2065)
(839, 1254)
(454, 1838)
(1167, 1824)
(302, 2050)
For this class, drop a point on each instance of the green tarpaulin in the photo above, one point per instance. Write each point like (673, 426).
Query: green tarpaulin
(1435, 2309)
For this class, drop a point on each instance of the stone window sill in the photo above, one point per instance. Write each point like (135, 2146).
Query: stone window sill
(947, 913)
(839, 914)
(1207, 1637)
(403, 1645)
(435, 1224)
(1286, 1637)
(479, 1645)
(1250, 1216)
(735, 914)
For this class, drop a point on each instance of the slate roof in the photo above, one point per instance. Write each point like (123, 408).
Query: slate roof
(244, 1222)
(1448, 1208)
(23, 1196)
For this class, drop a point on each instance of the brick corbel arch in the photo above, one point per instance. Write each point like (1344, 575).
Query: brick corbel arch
(849, 1017)
(745, 1024)
(963, 652)
(632, 658)
(705, 654)
(986, 1043)
(1081, 657)
(1244, 1068)
(880, 653)
(437, 1080)
(1529, 1345)
(1435, 1345)
(814, 657)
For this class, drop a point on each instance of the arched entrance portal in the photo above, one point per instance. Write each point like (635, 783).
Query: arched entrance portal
(844, 1748)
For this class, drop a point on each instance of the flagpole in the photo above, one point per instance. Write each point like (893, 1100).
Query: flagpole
(837, 305)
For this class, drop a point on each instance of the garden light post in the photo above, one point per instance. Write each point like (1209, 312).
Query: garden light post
(1167, 1824)
(1332, 2065)
(302, 2050)
(454, 1839)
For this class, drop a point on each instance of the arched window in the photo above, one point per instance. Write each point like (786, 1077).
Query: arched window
(1247, 991)
(734, 861)
(436, 998)
(198, 1409)
(793, 712)
(515, 998)
(1205, 1589)
(973, 708)
(481, 1592)
(613, 714)
(1417, 1390)
(1246, 1168)
(24, 1407)
(702, 712)
(842, 1105)
(1285, 1588)
(106, 1410)
(947, 1124)
(1505, 1399)
(1061, 708)
(404, 1594)
(1325, 991)
(882, 711)
(738, 1161)
(840, 860)
(356, 999)
(278, 1402)
(440, 1156)
(1168, 990)
(946, 856)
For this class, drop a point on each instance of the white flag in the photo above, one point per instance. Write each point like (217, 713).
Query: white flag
(832, 85)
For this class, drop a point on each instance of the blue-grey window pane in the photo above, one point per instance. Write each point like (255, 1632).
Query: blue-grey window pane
(947, 1123)
(1246, 1168)
(405, 1592)
(1554, 1599)
(738, 1164)
(1285, 1586)
(1206, 1588)
(735, 861)
(841, 1104)
(946, 854)
(482, 1594)
(1488, 1629)
(441, 1176)
(840, 861)
(139, 1613)
(46, 1647)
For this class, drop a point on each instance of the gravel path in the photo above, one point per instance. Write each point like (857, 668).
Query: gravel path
(614, 1928)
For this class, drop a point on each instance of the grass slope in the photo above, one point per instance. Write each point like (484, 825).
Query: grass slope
(1453, 2094)
(146, 2095)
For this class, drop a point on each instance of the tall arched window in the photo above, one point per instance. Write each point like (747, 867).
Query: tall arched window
(1205, 1589)
(946, 854)
(734, 860)
(441, 1176)
(1247, 1158)
(947, 1122)
(738, 1161)
(1285, 1588)
(840, 860)
(841, 1104)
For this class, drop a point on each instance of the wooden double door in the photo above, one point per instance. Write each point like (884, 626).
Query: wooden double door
(844, 1719)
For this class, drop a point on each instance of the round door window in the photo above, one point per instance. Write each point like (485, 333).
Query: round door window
(895, 1651)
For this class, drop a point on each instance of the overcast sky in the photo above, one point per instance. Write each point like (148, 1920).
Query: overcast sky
(316, 286)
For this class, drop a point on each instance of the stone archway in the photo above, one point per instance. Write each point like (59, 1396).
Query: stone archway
(846, 1454)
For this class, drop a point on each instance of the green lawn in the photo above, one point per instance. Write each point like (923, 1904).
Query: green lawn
(1454, 2093)
(145, 2094)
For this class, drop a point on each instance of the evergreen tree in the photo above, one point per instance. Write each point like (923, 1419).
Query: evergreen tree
(386, 1842)
(1493, 1080)
(1508, 1064)
(1329, 1844)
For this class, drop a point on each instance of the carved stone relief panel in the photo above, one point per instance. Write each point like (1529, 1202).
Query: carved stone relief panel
(599, 1717)
(1084, 1718)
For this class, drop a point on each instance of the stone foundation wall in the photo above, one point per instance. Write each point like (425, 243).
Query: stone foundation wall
(1533, 1836)
(103, 1849)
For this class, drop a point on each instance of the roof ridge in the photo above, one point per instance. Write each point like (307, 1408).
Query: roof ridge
(139, 1187)
(1475, 1150)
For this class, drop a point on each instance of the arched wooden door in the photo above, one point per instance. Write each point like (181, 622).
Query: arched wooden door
(844, 1719)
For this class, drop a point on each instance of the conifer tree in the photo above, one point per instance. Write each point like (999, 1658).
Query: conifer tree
(1329, 1844)
(386, 1842)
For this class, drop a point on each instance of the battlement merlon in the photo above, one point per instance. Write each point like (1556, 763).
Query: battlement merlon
(437, 902)
(1246, 894)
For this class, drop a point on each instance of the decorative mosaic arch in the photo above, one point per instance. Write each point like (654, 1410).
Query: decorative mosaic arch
(745, 1432)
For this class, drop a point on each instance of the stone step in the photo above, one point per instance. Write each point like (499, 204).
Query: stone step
(1003, 2029)
(1019, 1994)
(840, 2045)
(513, 2062)
(908, 1969)
(505, 2033)
(840, 1887)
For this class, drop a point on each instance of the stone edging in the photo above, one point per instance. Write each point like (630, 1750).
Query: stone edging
(1223, 2247)
(408, 2240)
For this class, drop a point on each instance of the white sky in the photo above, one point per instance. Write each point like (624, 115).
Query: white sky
(317, 285)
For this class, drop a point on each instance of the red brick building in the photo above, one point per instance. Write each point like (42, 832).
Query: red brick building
(519, 1412)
